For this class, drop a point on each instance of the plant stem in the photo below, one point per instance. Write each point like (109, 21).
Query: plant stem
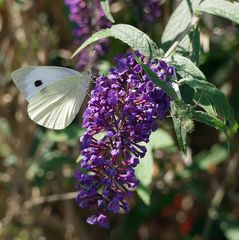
(50, 198)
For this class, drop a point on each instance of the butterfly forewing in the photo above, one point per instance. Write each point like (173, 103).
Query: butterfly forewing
(31, 80)
(54, 94)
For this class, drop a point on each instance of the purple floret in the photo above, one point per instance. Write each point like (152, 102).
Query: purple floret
(152, 10)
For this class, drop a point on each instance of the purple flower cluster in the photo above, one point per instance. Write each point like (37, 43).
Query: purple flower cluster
(87, 17)
(124, 109)
(152, 10)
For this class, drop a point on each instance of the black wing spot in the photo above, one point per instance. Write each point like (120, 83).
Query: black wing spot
(38, 83)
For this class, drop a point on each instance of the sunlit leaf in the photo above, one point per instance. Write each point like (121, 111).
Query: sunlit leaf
(106, 8)
(185, 67)
(136, 39)
(144, 172)
(222, 8)
(179, 20)
(189, 47)
(230, 228)
(158, 140)
(232, 233)
(144, 193)
(215, 156)
(128, 34)
(104, 33)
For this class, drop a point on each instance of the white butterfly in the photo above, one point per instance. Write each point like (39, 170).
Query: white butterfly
(55, 94)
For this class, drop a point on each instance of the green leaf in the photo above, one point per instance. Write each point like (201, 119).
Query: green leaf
(222, 8)
(160, 139)
(181, 134)
(179, 20)
(144, 169)
(232, 233)
(144, 193)
(218, 100)
(189, 47)
(230, 227)
(209, 120)
(215, 156)
(106, 8)
(185, 67)
(144, 172)
(104, 33)
(162, 84)
(136, 39)
(128, 34)
(204, 103)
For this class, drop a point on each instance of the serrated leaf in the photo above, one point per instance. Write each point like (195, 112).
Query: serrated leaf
(128, 34)
(179, 20)
(104, 33)
(106, 8)
(189, 47)
(209, 120)
(185, 67)
(156, 80)
(222, 8)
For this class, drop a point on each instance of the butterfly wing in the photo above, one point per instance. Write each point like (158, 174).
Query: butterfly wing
(31, 80)
(54, 102)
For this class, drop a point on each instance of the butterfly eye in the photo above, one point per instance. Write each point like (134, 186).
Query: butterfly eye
(38, 83)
